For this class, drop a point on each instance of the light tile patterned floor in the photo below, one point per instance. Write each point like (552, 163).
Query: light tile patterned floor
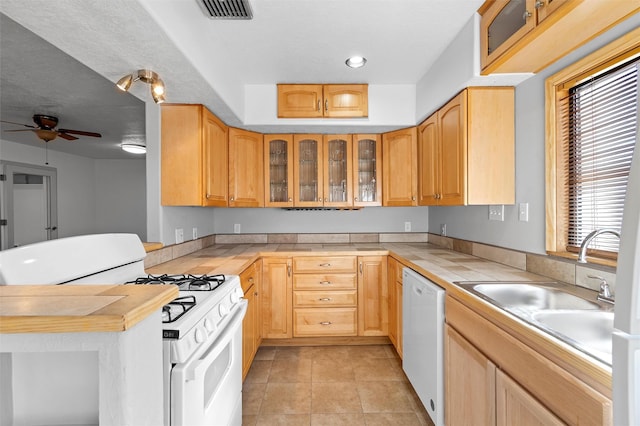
(330, 385)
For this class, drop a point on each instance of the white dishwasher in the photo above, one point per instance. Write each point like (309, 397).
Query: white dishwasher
(423, 344)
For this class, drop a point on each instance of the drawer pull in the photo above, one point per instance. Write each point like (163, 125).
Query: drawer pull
(325, 265)
(325, 323)
(325, 282)
(325, 299)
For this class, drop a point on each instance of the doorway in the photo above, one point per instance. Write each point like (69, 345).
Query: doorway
(28, 204)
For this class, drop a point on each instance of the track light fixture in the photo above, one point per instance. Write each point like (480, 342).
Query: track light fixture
(147, 76)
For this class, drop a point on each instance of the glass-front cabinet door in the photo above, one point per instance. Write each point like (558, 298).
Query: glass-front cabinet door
(307, 169)
(503, 24)
(337, 175)
(278, 165)
(367, 164)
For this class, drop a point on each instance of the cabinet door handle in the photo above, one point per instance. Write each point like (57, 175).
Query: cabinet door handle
(360, 268)
(355, 199)
(324, 265)
(251, 279)
(325, 299)
(526, 15)
(318, 104)
(325, 323)
(290, 199)
(539, 4)
(325, 282)
(231, 199)
(289, 270)
(413, 198)
(326, 104)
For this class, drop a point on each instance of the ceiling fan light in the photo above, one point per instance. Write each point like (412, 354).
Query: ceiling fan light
(134, 148)
(125, 83)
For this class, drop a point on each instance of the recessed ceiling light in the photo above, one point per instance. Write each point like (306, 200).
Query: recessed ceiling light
(134, 148)
(356, 61)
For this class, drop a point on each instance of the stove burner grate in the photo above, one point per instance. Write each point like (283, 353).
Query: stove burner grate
(185, 282)
(181, 304)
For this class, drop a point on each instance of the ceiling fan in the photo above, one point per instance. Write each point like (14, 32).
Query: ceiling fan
(46, 130)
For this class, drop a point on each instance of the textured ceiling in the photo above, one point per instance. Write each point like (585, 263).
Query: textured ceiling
(201, 60)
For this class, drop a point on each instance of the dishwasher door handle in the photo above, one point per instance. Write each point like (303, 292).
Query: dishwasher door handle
(417, 290)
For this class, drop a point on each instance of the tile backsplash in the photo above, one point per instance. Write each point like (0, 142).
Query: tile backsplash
(557, 268)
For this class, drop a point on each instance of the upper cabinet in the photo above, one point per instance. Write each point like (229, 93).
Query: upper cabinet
(307, 170)
(246, 161)
(328, 101)
(400, 168)
(367, 170)
(466, 150)
(193, 157)
(528, 35)
(278, 170)
(337, 171)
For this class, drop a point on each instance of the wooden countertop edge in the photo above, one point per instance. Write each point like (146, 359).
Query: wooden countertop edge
(152, 246)
(137, 304)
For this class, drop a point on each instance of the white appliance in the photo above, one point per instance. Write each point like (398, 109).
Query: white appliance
(626, 335)
(423, 341)
(202, 328)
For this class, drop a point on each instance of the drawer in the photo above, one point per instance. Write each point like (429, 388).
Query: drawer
(248, 277)
(325, 298)
(324, 281)
(324, 264)
(325, 322)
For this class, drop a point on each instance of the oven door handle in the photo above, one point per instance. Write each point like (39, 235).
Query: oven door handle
(198, 368)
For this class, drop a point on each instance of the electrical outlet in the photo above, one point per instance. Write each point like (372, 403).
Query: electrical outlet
(236, 228)
(195, 233)
(523, 212)
(443, 230)
(179, 235)
(407, 227)
(496, 212)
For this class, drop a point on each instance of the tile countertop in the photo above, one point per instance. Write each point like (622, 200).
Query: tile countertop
(440, 265)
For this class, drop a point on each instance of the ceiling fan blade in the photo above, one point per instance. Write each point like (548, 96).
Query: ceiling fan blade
(66, 136)
(18, 124)
(21, 130)
(80, 132)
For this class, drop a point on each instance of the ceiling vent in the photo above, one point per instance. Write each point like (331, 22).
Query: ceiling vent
(226, 9)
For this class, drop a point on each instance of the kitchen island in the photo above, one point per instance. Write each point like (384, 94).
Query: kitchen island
(110, 335)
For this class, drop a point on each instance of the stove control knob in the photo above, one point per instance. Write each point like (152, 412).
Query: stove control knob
(209, 325)
(236, 295)
(224, 311)
(199, 335)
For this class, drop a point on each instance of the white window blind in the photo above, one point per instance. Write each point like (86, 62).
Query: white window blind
(598, 132)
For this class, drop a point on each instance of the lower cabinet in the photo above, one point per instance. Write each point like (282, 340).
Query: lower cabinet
(373, 305)
(251, 325)
(394, 286)
(277, 319)
(492, 378)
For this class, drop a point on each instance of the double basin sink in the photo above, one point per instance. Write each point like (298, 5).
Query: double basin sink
(584, 324)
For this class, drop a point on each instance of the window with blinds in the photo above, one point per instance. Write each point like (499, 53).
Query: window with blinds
(598, 127)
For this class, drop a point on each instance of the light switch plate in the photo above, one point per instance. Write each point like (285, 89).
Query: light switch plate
(236, 228)
(179, 235)
(496, 212)
(523, 212)
(407, 227)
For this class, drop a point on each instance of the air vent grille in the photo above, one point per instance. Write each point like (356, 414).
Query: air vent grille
(227, 9)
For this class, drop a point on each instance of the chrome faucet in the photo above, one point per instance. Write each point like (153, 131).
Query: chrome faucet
(604, 294)
(582, 256)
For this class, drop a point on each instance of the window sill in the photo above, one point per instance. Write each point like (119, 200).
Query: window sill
(590, 259)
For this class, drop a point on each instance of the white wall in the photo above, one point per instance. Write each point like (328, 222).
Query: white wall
(89, 193)
(472, 223)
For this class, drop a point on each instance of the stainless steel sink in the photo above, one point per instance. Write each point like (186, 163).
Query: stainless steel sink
(584, 324)
(528, 296)
(590, 331)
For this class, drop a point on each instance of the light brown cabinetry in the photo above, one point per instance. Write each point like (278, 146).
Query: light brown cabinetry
(394, 284)
(278, 169)
(485, 361)
(246, 175)
(194, 160)
(400, 168)
(367, 170)
(325, 296)
(373, 303)
(317, 100)
(466, 150)
(252, 322)
(277, 287)
(528, 35)
(307, 170)
(338, 175)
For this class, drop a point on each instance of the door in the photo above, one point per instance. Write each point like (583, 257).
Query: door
(28, 206)
(246, 162)
(429, 162)
(337, 171)
(278, 168)
(400, 168)
(307, 170)
(367, 170)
